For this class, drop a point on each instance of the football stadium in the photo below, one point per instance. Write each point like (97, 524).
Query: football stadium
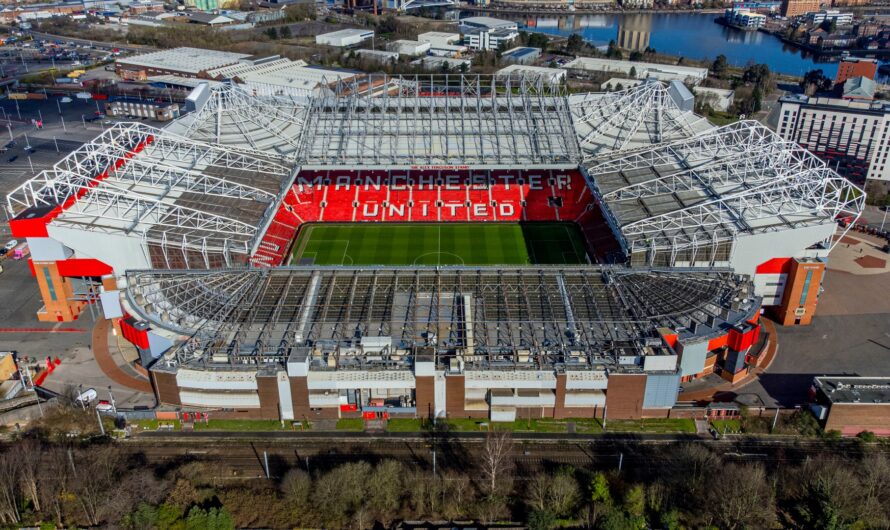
(435, 246)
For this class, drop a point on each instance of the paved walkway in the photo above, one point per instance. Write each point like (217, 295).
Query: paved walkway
(727, 391)
(106, 362)
(859, 254)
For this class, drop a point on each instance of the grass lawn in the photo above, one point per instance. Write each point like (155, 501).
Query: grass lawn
(439, 244)
(657, 425)
(243, 425)
(350, 424)
(727, 426)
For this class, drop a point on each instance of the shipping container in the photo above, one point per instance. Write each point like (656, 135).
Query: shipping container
(38, 95)
(19, 95)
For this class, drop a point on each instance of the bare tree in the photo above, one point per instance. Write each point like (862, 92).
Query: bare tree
(9, 489)
(496, 459)
(28, 453)
(53, 478)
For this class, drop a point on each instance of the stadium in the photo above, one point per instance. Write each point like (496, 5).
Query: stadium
(439, 246)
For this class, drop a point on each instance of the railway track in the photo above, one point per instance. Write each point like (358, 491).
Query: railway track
(247, 459)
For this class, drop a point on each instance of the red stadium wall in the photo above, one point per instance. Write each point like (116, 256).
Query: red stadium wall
(431, 195)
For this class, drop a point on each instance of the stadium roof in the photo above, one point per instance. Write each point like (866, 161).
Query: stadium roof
(232, 116)
(639, 116)
(575, 317)
(740, 178)
(171, 191)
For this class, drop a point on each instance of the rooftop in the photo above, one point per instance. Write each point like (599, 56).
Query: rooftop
(489, 22)
(740, 178)
(492, 317)
(188, 60)
(849, 390)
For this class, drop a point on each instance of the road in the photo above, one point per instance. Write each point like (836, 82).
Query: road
(107, 45)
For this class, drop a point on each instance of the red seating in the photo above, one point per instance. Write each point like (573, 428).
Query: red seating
(431, 195)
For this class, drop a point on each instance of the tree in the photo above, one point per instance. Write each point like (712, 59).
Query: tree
(541, 520)
(636, 56)
(719, 66)
(815, 80)
(633, 72)
(385, 490)
(574, 43)
(496, 460)
(752, 504)
(538, 40)
(285, 32)
(9, 490)
(600, 497)
(212, 519)
(272, 33)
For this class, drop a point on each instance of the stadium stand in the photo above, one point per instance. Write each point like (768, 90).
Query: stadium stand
(433, 195)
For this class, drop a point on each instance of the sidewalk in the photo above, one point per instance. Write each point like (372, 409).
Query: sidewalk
(109, 365)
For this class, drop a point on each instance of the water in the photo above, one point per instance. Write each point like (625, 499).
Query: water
(692, 35)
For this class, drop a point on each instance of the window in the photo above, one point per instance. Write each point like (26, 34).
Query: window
(49, 284)
(806, 287)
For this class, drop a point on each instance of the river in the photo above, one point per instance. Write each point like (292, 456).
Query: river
(692, 35)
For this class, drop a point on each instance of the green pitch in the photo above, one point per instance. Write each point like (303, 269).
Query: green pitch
(439, 244)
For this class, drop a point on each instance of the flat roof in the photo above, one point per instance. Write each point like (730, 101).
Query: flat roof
(607, 65)
(488, 22)
(521, 51)
(348, 32)
(189, 60)
(858, 390)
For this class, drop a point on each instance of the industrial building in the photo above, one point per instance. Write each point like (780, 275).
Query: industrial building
(411, 48)
(521, 55)
(548, 75)
(344, 37)
(186, 62)
(182, 237)
(270, 74)
(661, 72)
(488, 23)
(851, 405)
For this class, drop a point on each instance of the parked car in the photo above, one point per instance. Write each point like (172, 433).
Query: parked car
(11, 244)
(66, 99)
(10, 144)
(12, 159)
(104, 406)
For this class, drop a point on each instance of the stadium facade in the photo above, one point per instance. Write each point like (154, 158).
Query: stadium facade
(182, 236)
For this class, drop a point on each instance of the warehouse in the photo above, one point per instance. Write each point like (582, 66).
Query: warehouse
(851, 405)
(548, 75)
(186, 62)
(344, 37)
(411, 48)
(521, 55)
(661, 72)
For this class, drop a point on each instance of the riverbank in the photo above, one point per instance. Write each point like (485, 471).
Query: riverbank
(519, 10)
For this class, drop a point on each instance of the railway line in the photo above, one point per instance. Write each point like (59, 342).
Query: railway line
(246, 459)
